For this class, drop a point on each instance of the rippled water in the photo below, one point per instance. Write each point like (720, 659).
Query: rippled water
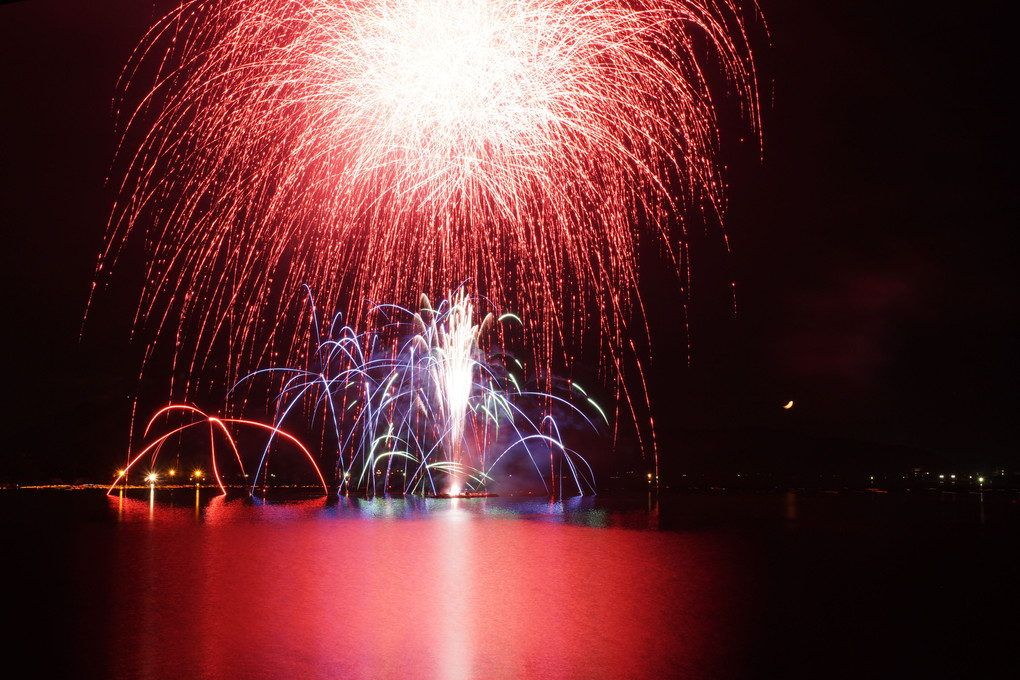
(182, 586)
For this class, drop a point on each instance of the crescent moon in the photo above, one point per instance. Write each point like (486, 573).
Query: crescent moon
(788, 405)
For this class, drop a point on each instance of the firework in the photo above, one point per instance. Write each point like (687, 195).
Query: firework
(217, 427)
(424, 403)
(379, 148)
(453, 356)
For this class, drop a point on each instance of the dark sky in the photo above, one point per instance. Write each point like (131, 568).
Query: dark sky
(873, 248)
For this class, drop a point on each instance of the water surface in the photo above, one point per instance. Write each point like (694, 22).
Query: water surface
(699, 586)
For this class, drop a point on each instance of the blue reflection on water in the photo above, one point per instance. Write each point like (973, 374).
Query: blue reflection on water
(175, 505)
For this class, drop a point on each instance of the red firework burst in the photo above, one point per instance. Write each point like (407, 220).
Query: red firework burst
(380, 148)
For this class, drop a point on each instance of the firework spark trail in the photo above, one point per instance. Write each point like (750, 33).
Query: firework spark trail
(379, 148)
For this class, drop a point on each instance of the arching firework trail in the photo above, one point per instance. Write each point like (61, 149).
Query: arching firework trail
(378, 148)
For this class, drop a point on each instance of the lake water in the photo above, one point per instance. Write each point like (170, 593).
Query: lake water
(689, 586)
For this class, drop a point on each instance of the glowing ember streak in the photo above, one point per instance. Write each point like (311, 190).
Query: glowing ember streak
(376, 148)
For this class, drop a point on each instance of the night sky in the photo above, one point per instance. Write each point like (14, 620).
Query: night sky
(872, 248)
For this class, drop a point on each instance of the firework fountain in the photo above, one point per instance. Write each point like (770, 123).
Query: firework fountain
(379, 148)
(424, 403)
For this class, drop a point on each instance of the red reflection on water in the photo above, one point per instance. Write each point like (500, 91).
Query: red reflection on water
(295, 592)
